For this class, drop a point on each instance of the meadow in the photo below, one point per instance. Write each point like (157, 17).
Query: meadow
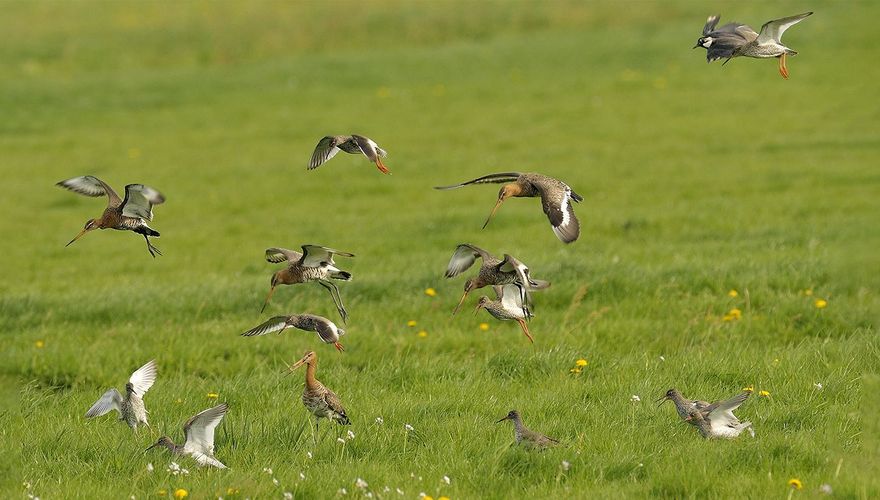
(707, 189)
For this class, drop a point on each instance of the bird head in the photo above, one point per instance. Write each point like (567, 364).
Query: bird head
(482, 303)
(91, 225)
(162, 441)
(129, 388)
(309, 358)
(704, 41)
(670, 394)
(506, 192)
(511, 415)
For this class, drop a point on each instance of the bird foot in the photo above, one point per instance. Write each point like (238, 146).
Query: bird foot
(783, 69)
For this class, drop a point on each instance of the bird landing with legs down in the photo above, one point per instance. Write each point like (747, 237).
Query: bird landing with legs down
(315, 263)
(129, 214)
(556, 198)
(508, 306)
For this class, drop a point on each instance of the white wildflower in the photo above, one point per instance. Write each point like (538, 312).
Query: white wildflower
(309, 454)
(408, 427)
(275, 481)
(751, 431)
(368, 494)
(360, 483)
(342, 491)
(399, 491)
(818, 386)
(446, 479)
(566, 465)
(184, 472)
(826, 489)
(635, 399)
(288, 495)
(379, 420)
(150, 467)
(302, 476)
(340, 440)
(267, 470)
(662, 358)
(386, 489)
(350, 435)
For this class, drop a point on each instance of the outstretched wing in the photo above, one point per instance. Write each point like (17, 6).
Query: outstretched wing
(772, 30)
(276, 255)
(90, 185)
(486, 179)
(110, 400)
(142, 379)
(139, 201)
(199, 430)
(721, 413)
(274, 324)
(711, 22)
(463, 258)
(556, 201)
(325, 150)
(314, 255)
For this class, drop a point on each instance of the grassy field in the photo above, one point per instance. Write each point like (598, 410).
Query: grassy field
(698, 180)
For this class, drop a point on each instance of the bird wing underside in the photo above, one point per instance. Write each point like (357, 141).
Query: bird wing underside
(110, 400)
(463, 258)
(199, 430)
(89, 185)
(314, 255)
(143, 378)
(276, 255)
(486, 179)
(772, 31)
(139, 201)
(274, 324)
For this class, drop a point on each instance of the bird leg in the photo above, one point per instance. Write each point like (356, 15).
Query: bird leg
(271, 291)
(337, 299)
(338, 346)
(783, 69)
(525, 330)
(460, 302)
(153, 250)
(381, 166)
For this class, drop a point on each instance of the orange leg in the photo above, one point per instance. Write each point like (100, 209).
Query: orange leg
(382, 166)
(339, 347)
(783, 70)
(525, 329)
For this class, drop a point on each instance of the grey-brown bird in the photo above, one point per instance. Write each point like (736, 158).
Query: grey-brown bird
(199, 437)
(737, 39)
(351, 144)
(493, 271)
(131, 406)
(315, 263)
(327, 331)
(526, 437)
(317, 398)
(129, 214)
(717, 420)
(683, 406)
(556, 198)
(508, 306)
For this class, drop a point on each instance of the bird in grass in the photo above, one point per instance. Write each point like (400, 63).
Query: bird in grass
(131, 406)
(556, 198)
(199, 437)
(508, 306)
(326, 329)
(129, 214)
(493, 271)
(351, 144)
(318, 399)
(736, 39)
(683, 406)
(526, 437)
(315, 263)
(717, 420)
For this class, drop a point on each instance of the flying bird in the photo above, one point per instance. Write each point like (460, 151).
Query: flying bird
(556, 198)
(736, 40)
(199, 437)
(129, 214)
(351, 144)
(326, 329)
(131, 406)
(508, 306)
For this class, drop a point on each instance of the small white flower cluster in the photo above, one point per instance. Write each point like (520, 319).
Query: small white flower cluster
(267, 470)
(408, 428)
(350, 435)
(635, 399)
(380, 421)
(818, 386)
(340, 440)
(309, 454)
(150, 467)
(342, 491)
(566, 465)
(288, 495)
(399, 491)
(360, 483)
(177, 470)
(446, 479)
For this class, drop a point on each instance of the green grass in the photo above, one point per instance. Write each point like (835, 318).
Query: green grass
(697, 180)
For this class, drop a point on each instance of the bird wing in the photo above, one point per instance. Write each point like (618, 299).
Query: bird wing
(511, 296)
(556, 201)
(724, 45)
(368, 147)
(511, 264)
(205, 460)
(199, 430)
(333, 402)
(90, 185)
(314, 255)
(276, 255)
(274, 324)
(325, 150)
(721, 412)
(711, 22)
(110, 400)
(772, 30)
(326, 329)
(463, 258)
(486, 179)
(142, 379)
(139, 201)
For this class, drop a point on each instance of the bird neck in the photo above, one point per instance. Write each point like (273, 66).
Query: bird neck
(512, 190)
(311, 381)
(518, 425)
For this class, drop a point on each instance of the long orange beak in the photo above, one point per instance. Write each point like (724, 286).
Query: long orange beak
(460, 302)
(80, 235)
(271, 291)
(492, 213)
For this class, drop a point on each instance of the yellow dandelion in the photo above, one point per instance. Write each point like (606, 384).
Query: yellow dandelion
(430, 292)
(427, 497)
(764, 394)
(749, 388)
(231, 491)
(820, 303)
(213, 395)
(732, 293)
(808, 292)
(422, 334)
(411, 323)
(39, 344)
(484, 326)
(581, 362)
(180, 493)
(443, 498)
(795, 483)
(179, 401)
(575, 370)
(736, 313)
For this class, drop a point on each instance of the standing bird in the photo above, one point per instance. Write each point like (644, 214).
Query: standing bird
(736, 39)
(199, 437)
(130, 214)
(492, 272)
(326, 329)
(556, 198)
(351, 144)
(508, 306)
(131, 407)
(717, 420)
(314, 264)
(683, 406)
(318, 399)
(526, 437)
